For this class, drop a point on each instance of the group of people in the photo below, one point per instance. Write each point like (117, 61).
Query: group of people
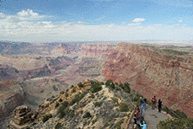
(139, 119)
(139, 122)
(154, 101)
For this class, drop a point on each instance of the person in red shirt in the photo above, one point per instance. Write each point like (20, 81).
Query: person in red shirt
(153, 101)
(138, 109)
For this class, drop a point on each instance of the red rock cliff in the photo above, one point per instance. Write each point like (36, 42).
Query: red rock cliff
(151, 73)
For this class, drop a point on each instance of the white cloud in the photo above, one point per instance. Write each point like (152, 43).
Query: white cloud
(180, 21)
(139, 19)
(29, 15)
(2, 16)
(81, 22)
(134, 24)
(14, 28)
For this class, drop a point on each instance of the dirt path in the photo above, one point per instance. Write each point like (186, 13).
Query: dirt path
(152, 117)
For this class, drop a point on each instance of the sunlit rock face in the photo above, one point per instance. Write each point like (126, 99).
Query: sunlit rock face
(152, 73)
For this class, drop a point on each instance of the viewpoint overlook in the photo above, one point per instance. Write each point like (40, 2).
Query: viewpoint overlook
(93, 85)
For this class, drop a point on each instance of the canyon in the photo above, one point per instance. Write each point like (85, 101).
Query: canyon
(153, 73)
(164, 71)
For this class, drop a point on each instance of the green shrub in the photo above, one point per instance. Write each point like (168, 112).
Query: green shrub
(112, 85)
(119, 126)
(73, 90)
(177, 112)
(96, 89)
(80, 84)
(108, 82)
(72, 86)
(65, 103)
(98, 104)
(128, 115)
(137, 97)
(62, 92)
(94, 121)
(148, 102)
(184, 123)
(57, 104)
(127, 87)
(58, 126)
(180, 114)
(92, 96)
(123, 107)
(95, 86)
(53, 96)
(61, 109)
(67, 90)
(66, 94)
(60, 100)
(87, 115)
(121, 85)
(46, 117)
(102, 83)
(78, 97)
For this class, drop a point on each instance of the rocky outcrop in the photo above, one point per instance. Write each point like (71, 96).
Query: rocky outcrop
(22, 118)
(153, 73)
(86, 109)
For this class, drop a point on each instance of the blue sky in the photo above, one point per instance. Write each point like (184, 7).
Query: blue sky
(95, 20)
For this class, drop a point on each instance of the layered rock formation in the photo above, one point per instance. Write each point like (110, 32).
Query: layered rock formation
(152, 73)
(22, 118)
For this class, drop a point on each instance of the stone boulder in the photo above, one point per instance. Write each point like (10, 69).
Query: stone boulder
(22, 118)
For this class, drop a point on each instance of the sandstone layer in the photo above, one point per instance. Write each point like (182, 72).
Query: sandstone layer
(152, 73)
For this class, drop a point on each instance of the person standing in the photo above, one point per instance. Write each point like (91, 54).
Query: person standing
(143, 105)
(136, 125)
(144, 126)
(153, 101)
(159, 105)
(138, 109)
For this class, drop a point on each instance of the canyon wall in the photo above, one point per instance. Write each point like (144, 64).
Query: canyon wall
(152, 73)
(11, 96)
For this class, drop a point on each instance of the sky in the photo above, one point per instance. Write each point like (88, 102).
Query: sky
(95, 20)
